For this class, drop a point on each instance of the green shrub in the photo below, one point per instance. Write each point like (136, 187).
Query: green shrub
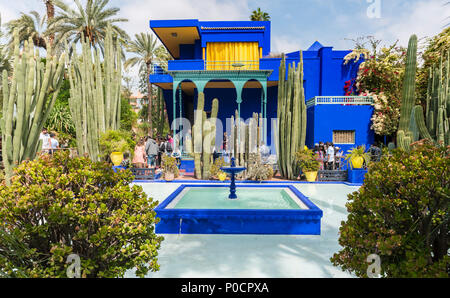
(401, 213)
(57, 206)
(169, 165)
(307, 160)
(215, 167)
(116, 141)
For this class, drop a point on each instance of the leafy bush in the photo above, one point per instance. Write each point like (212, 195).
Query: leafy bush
(169, 165)
(401, 213)
(215, 167)
(57, 206)
(116, 141)
(128, 117)
(307, 160)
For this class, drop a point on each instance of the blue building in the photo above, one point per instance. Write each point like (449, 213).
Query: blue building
(232, 61)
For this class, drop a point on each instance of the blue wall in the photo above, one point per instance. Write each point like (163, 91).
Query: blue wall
(327, 118)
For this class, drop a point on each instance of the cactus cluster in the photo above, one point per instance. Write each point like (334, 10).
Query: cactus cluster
(28, 98)
(245, 138)
(434, 126)
(204, 137)
(291, 117)
(95, 93)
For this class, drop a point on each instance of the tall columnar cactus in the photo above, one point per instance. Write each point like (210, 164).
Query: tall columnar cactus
(291, 117)
(249, 141)
(95, 93)
(28, 98)
(436, 125)
(404, 135)
(204, 137)
(413, 125)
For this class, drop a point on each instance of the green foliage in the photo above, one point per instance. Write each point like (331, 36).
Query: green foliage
(116, 141)
(128, 117)
(307, 160)
(401, 214)
(215, 167)
(259, 15)
(60, 120)
(169, 165)
(57, 206)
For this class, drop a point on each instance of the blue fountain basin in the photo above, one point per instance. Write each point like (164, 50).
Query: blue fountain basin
(259, 209)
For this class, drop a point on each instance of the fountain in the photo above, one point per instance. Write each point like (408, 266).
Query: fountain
(233, 170)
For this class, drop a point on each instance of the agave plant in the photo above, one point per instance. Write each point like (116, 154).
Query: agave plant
(356, 154)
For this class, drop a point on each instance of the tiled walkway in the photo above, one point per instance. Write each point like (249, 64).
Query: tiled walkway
(257, 256)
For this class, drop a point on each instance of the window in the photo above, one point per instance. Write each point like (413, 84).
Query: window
(344, 137)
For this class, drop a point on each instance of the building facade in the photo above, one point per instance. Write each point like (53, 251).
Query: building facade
(233, 62)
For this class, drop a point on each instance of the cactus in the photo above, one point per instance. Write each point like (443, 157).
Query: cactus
(436, 125)
(408, 95)
(28, 100)
(291, 117)
(95, 93)
(204, 137)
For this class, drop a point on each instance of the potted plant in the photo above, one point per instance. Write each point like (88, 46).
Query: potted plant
(216, 173)
(357, 156)
(114, 143)
(308, 163)
(170, 169)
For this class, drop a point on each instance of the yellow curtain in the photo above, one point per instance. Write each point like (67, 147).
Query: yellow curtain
(222, 55)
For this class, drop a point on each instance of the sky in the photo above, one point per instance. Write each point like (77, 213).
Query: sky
(296, 24)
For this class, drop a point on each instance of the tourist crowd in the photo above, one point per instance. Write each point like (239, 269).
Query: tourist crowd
(149, 152)
(329, 156)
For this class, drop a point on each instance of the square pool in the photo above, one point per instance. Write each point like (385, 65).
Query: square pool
(259, 209)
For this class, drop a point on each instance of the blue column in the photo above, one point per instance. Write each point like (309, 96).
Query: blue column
(326, 71)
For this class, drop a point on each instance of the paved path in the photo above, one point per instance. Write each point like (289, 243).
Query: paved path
(257, 256)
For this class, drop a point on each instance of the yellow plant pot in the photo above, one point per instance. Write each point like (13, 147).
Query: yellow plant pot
(311, 176)
(116, 158)
(357, 162)
(222, 176)
(169, 176)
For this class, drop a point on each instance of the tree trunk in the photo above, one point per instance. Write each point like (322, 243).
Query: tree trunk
(150, 100)
(50, 16)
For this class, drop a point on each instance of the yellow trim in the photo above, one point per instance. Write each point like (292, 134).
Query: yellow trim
(204, 53)
(221, 55)
(260, 53)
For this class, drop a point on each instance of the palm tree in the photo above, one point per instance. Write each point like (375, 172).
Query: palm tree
(50, 7)
(259, 15)
(145, 47)
(90, 21)
(29, 26)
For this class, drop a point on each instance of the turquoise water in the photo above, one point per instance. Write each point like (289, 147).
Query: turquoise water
(248, 198)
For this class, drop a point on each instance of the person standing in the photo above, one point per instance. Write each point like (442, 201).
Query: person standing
(139, 155)
(169, 145)
(151, 148)
(330, 156)
(54, 144)
(339, 156)
(45, 138)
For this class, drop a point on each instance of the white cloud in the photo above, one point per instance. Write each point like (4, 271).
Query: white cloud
(423, 18)
(140, 12)
(285, 44)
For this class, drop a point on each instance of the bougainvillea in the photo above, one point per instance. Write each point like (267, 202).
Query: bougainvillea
(386, 115)
(58, 206)
(401, 213)
(380, 76)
